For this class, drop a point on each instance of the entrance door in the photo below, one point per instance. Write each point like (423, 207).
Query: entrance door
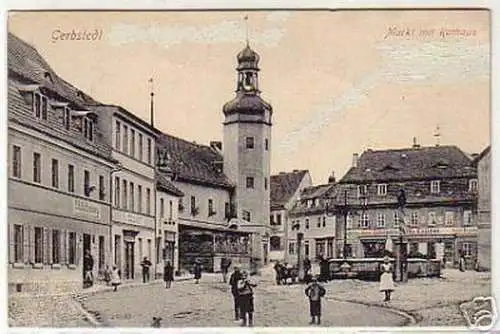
(86, 248)
(129, 260)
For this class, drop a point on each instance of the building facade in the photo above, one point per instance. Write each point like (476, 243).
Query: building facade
(285, 190)
(439, 219)
(133, 211)
(247, 152)
(58, 178)
(483, 164)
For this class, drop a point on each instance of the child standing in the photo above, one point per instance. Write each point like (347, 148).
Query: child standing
(386, 282)
(115, 278)
(315, 292)
(245, 299)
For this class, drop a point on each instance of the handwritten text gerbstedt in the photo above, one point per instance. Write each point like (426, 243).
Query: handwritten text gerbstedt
(77, 35)
(394, 32)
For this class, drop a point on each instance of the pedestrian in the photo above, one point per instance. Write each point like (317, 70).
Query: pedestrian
(197, 271)
(461, 262)
(307, 269)
(115, 278)
(107, 275)
(88, 267)
(245, 299)
(323, 269)
(277, 269)
(386, 282)
(315, 291)
(145, 264)
(225, 264)
(168, 274)
(233, 282)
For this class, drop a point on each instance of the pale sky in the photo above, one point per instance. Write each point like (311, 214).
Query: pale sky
(338, 84)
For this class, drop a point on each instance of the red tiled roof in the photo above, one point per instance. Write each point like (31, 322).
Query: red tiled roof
(191, 162)
(284, 186)
(411, 164)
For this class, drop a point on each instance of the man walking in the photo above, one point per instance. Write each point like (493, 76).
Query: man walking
(88, 267)
(233, 282)
(315, 292)
(146, 264)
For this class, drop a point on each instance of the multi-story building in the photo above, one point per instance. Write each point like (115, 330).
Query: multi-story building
(134, 230)
(206, 228)
(311, 217)
(285, 190)
(58, 183)
(483, 165)
(440, 184)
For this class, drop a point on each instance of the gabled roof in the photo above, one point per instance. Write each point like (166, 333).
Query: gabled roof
(481, 155)
(191, 162)
(317, 191)
(25, 61)
(163, 184)
(284, 186)
(410, 164)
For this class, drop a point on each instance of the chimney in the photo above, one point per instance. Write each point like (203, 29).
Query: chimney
(415, 144)
(331, 178)
(355, 157)
(216, 145)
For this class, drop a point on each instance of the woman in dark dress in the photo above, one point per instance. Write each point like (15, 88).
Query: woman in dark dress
(168, 274)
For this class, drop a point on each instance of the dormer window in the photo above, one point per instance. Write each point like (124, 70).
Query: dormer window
(473, 185)
(40, 105)
(67, 118)
(382, 189)
(435, 187)
(88, 128)
(362, 190)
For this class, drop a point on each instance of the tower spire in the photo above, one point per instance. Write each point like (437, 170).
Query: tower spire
(246, 29)
(437, 134)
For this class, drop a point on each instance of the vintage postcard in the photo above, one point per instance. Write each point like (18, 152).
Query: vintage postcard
(266, 168)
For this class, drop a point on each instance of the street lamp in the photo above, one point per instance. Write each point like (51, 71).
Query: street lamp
(401, 205)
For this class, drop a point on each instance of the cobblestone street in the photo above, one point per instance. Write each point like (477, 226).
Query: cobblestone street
(210, 304)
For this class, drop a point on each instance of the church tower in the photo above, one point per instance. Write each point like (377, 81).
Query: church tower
(247, 152)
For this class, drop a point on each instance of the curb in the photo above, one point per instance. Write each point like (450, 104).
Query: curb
(411, 318)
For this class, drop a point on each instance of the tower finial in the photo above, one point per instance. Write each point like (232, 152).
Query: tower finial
(152, 94)
(437, 134)
(246, 28)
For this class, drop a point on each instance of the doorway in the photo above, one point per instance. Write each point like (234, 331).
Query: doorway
(86, 248)
(129, 260)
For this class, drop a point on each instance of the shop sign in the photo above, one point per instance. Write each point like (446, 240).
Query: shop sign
(416, 231)
(86, 208)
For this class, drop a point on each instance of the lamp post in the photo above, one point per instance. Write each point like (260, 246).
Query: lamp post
(400, 259)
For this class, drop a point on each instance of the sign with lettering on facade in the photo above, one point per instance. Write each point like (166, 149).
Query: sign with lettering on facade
(86, 208)
(419, 231)
(132, 218)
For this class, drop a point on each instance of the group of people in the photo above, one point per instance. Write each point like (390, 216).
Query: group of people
(242, 291)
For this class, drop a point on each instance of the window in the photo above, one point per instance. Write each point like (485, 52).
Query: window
(414, 218)
(307, 223)
(250, 182)
(18, 244)
(473, 185)
(396, 219)
(381, 220)
(432, 219)
(306, 247)
(319, 222)
(435, 187)
(38, 245)
(132, 142)
(56, 246)
(210, 207)
(193, 203)
(324, 221)
(170, 210)
(382, 189)
(246, 216)
(132, 197)
(350, 220)
(88, 128)
(467, 248)
(362, 190)
(150, 151)
(271, 219)
(265, 183)
(364, 222)
(449, 218)
(118, 136)
(467, 217)
(275, 243)
(250, 142)
(148, 201)
(72, 248)
(266, 144)
(71, 178)
(124, 195)
(149, 250)
(141, 149)
(16, 161)
(227, 210)
(117, 192)
(162, 207)
(125, 139)
(140, 249)
(291, 248)
(139, 199)
(37, 175)
(40, 106)
(278, 219)
(102, 188)
(55, 173)
(86, 183)
(67, 118)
